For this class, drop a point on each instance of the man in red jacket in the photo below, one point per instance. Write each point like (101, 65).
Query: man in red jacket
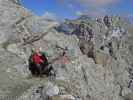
(38, 61)
(38, 64)
(37, 57)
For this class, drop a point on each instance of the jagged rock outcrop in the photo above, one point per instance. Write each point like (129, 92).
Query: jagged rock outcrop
(109, 44)
(95, 70)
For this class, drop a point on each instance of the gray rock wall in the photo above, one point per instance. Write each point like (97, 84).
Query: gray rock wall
(104, 77)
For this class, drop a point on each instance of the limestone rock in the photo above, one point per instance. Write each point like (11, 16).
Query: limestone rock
(102, 58)
(129, 96)
(52, 90)
(63, 97)
(83, 76)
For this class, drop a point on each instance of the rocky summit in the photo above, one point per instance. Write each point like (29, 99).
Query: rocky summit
(98, 63)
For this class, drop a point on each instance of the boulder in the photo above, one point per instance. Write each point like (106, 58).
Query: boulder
(51, 90)
(128, 96)
(102, 58)
(80, 77)
(63, 97)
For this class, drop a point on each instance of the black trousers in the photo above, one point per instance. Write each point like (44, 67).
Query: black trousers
(40, 69)
(34, 69)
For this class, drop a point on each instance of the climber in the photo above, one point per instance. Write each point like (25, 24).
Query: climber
(38, 63)
(32, 66)
(35, 62)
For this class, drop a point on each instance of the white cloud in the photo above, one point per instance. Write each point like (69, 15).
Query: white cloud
(90, 7)
(79, 13)
(49, 15)
(98, 13)
(90, 2)
(97, 2)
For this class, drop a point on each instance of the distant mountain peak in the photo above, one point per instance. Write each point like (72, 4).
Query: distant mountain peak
(84, 17)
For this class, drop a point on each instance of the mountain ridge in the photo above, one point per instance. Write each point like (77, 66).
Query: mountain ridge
(99, 53)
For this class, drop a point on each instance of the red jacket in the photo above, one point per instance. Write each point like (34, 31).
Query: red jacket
(37, 59)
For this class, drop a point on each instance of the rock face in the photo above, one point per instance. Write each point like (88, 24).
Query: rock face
(98, 67)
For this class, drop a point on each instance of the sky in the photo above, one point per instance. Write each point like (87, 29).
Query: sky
(71, 9)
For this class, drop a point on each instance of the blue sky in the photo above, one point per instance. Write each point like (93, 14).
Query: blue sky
(73, 8)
